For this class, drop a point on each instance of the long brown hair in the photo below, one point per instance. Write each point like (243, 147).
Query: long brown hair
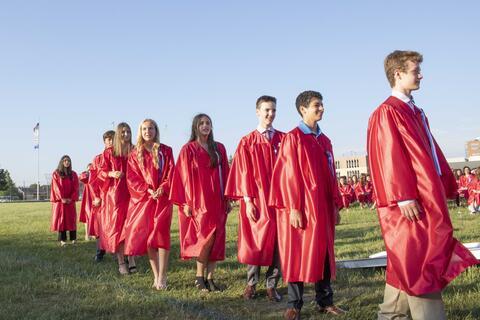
(211, 144)
(156, 144)
(118, 151)
(62, 170)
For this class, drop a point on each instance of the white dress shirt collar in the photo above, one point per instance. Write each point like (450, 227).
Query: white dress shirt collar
(404, 98)
(262, 129)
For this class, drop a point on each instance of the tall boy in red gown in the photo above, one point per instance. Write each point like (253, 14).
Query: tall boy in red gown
(304, 184)
(412, 180)
(249, 181)
(96, 182)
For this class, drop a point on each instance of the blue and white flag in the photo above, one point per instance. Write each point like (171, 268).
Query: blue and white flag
(36, 136)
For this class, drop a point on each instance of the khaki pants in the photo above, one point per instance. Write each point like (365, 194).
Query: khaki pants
(400, 306)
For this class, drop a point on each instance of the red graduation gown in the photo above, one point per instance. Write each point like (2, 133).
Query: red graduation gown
(250, 176)
(360, 192)
(370, 191)
(95, 183)
(473, 196)
(86, 204)
(423, 256)
(346, 194)
(116, 200)
(64, 216)
(304, 179)
(201, 188)
(463, 184)
(148, 220)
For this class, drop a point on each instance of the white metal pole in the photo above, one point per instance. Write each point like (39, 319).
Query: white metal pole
(38, 170)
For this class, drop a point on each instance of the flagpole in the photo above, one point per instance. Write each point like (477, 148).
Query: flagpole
(36, 140)
(38, 167)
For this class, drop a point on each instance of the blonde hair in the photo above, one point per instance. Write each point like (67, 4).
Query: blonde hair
(118, 149)
(397, 60)
(141, 143)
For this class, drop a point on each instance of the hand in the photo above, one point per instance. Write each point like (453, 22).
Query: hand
(251, 211)
(187, 211)
(115, 174)
(64, 201)
(159, 191)
(296, 218)
(411, 211)
(96, 202)
(153, 194)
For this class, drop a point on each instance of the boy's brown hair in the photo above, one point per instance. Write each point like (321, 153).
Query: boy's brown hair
(265, 99)
(397, 60)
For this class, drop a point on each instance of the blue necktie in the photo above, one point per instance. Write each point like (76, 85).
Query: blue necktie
(430, 138)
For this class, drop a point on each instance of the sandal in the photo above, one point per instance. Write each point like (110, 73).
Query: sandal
(133, 267)
(213, 287)
(122, 268)
(200, 284)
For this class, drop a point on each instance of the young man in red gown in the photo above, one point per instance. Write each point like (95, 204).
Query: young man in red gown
(412, 180)
(95, 183)
(304, 186)
(249, 182)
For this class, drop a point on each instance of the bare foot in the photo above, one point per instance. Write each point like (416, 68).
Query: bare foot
(162, 284)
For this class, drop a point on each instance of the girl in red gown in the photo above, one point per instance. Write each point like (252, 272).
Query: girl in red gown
(352, 194)
(370, 191)
(346, 192)
(147, 227)
(86, 205)
(474, 194)
(359, 188)
(117, 197)
(198, 190)
(464, 182)
(63, 194)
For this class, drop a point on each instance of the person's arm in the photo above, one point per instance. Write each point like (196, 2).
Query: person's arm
(392, 172)
(55, 188)
(240, 182)
(76, 187)
(224, 173)
(182, 192)
(287, 188)
(139, 189)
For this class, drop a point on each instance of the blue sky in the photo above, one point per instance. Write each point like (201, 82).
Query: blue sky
(78, 66)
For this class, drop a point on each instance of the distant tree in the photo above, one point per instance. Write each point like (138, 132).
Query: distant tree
(7, 186)
(4, 176)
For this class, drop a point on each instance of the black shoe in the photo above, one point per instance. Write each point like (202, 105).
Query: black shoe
(99, 255)
(213, 287)
(201, 285)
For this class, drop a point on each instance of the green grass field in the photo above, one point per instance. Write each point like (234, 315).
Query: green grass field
(40, 280)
